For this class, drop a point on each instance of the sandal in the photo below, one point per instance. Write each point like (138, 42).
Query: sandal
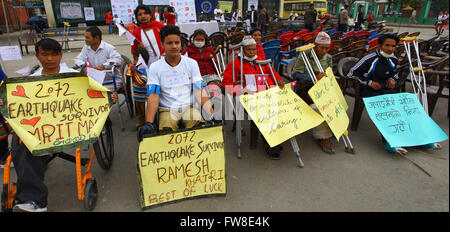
(326, 148)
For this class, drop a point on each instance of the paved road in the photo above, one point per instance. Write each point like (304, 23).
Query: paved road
(371, 180)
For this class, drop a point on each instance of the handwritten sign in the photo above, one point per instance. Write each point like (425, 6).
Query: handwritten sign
(8, 53)
(53, 113)
(181, 165)
(335, 87)
(325, 94)
(402, 120)
(280, 114)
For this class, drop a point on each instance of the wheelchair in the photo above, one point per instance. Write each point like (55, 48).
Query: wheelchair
(102, 149)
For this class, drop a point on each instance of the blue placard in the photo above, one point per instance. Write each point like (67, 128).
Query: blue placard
(206, 6)
(402, 120)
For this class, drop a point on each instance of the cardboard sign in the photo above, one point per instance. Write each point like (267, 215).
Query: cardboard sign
(402, 120)
(53, 113)
(326, 96)
(280, 114)
(181, 165)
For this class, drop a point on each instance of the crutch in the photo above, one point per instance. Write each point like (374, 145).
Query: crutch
(238, 108)
(418, 81)
(302, 50)
(292, 140)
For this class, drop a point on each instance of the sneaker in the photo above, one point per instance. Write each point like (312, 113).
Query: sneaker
(29, 206)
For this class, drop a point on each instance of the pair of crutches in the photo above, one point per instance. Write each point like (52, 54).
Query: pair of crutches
(220, 65)
(418, 81)
(302, 51)
(239, 109)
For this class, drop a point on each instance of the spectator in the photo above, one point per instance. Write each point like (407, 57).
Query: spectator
(253, 16)
(256, 34)
(218, 13)
(171, 16)
(156, 16)
(439, 23)
(351, 23)
(109, 21)
(343, 19)
(262, 19)
(359, 18)
(236, 17)
(310, 17)
(413, 16)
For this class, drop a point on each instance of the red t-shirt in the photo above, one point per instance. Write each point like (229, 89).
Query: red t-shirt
(170, 18)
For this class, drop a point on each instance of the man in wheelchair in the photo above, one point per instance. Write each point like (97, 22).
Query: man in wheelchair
(173, 83)
(31, 190)
(99, 54)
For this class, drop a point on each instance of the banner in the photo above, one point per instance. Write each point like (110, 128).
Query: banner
(124, 9)
(402, 120)
(156, 2)
(280, 114)
(226, 6)
(206, 6)
(329, 100)
(53, 113)
(89, 14)
(181, 165)
(254, 3)
(70, 10)
(185, 10)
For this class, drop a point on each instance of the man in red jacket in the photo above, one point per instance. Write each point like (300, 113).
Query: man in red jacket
(251, 70)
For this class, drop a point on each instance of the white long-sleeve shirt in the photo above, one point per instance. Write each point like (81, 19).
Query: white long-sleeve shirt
(105, 54)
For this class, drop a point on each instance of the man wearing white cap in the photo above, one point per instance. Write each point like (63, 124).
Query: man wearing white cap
(250, 73)
(304, 82)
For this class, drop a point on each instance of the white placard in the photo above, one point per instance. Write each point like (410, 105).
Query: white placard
(156, 2)
(252, 2)
(185, 10)
(97, 75)
(89, 14)
(70, 10)
(10, 53)
(124, 9)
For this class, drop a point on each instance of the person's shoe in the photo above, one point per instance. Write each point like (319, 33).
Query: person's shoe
(399, 150)
(273, 152)
(29, 206)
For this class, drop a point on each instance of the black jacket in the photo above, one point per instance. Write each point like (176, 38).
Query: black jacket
(374, 67)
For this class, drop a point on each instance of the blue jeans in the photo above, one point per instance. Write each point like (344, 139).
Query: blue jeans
(110, 28)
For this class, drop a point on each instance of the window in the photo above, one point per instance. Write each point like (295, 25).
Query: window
(319, 5)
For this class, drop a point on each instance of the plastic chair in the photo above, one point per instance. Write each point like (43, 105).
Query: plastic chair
(289, 55)
(271, 52)
(272, 43)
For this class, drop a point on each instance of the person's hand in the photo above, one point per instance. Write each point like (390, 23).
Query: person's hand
(320, 75)
(375, 85)
(280, 84)
(391, 83)
(141, 45)
(100, 68)
(147, 128)
(114, 98)
(1, 102)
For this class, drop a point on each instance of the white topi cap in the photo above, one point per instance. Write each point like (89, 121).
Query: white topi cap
(248, 40)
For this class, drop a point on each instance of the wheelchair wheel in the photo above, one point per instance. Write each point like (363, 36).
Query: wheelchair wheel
(128, 88)
(90, 194)
(104, 147)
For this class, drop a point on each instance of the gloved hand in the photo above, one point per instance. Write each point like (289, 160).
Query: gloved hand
(147, 128)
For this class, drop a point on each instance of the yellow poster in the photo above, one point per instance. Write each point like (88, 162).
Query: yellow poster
(53, 113)
(181, 165)
(325, 95)
(335, 86)
(280, 114)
